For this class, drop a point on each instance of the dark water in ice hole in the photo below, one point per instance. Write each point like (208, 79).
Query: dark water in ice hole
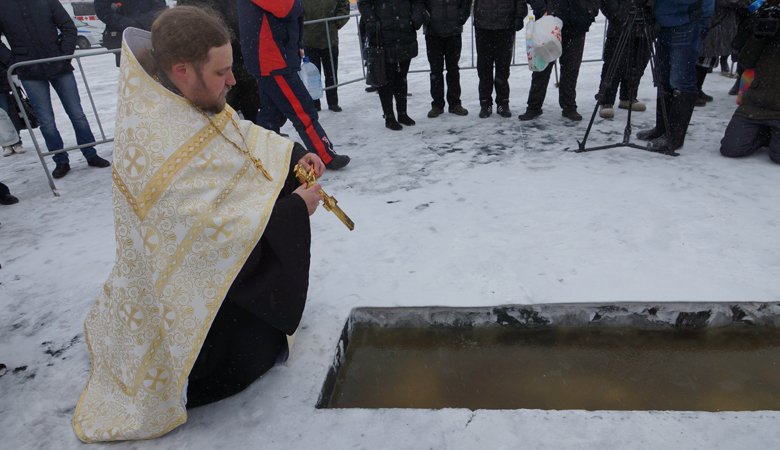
(713, 369)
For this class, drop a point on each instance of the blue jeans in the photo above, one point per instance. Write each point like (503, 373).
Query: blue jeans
(68, 92)
(678, 48)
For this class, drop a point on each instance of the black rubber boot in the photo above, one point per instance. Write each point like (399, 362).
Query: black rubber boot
(680, 111)
(660, 127)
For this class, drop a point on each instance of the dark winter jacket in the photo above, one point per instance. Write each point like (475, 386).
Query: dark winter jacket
(316, 36)
(616, 11)
(36, 29)
(397, 22)
(446, 17)
(673, 13)
(271, 35)
(577, 15)
(762, 100)
(120, 14)
(723, 28)
(228, 12)
(504, 14)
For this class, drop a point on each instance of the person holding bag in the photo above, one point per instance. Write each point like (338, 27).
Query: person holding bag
(8, 104)
(393, 25)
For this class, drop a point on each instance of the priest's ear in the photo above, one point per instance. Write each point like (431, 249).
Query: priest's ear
(180, 72)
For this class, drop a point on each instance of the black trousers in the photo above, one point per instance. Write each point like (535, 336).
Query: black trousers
(238, 349)
(573, 43)
(444, 50)
(494, 49)
(627, 75)
(744, 136)
(396, 87)
(4, 190)
(320, 57)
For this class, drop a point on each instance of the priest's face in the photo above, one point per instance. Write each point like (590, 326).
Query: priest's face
(211, 82)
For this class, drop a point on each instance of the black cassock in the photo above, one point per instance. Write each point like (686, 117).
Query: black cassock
(263, 305)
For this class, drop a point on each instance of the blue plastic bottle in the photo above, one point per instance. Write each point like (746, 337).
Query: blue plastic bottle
(311, 78)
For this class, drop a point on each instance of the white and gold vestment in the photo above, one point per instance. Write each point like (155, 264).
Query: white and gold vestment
(189, 207)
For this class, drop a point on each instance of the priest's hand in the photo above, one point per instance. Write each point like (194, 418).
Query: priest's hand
(311, 160)
(310, 196)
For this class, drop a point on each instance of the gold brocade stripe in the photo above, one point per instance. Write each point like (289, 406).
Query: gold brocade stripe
(180, 159)
(120, 184)
(197, 229)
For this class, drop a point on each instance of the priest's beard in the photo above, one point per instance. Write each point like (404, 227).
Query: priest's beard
(205, 100)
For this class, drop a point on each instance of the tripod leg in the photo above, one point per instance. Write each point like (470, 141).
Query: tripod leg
(609, 77)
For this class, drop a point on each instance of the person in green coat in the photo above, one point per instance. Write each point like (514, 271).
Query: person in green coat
(321, 43)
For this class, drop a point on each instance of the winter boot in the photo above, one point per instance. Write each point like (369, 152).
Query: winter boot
(680, 111)
(660, 126)
(404, 119)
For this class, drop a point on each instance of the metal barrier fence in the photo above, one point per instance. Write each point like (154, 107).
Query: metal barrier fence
(14, 83)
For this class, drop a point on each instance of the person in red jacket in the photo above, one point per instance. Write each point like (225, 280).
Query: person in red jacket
(271, 42)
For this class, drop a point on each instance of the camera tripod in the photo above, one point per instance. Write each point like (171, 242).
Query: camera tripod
(636, 34)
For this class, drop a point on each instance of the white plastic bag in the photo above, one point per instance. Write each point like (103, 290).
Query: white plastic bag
(311, 78)
(547, 39)
(8, 135)
(535, 64)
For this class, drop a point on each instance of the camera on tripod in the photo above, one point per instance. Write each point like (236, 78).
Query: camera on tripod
(765, 19)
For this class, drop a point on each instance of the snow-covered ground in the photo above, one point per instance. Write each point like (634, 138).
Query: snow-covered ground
(456, 211)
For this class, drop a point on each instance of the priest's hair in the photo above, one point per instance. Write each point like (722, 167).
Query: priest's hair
(186, 34)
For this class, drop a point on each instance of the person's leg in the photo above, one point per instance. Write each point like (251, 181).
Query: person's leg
(290, 96)
(239, 348)
(486, 52)
(663, 58)
(452, 49)
(40, 99)
(608, 87)
(330, 66)
(4, 190)
(629, 84)
(269, 116)
(742, 137)
(435, 48)
(400, 90)
(571, 59)
(504, 41)
(538, 90)
(68, 92)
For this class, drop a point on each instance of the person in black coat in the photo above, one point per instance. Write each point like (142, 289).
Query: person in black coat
(47, 31)
(393, 24)
(495, 25)
(443, 41)
(577, 15)
(121, 14)
(636, 52)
